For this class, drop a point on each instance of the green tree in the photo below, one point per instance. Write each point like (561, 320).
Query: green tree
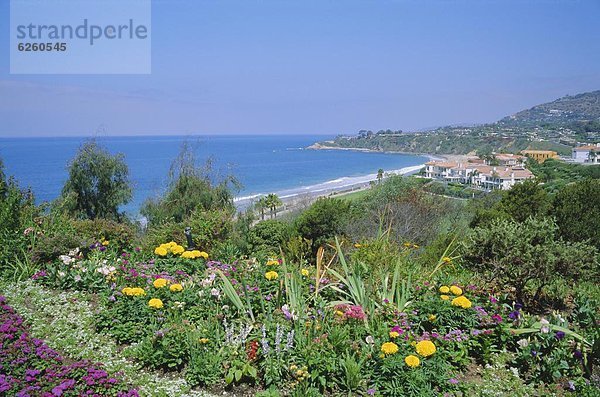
(98, 183)
(577, 211)
(379, 175)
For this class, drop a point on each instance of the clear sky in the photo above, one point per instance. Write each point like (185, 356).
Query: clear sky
(320, 67)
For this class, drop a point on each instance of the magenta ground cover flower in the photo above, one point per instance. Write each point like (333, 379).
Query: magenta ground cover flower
(29, 367)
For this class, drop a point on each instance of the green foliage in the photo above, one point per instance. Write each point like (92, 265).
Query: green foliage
(268, 236)
(323, 220)
(190, 189)
(167, 349)
(577, 211)
(98, 184)
(17, 231)
(556, 174)
(525, 199)
(209, 229)
(401, 207)
(521, 254)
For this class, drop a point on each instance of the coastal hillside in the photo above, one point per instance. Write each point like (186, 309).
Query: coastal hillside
(581, 108)
(558, 125)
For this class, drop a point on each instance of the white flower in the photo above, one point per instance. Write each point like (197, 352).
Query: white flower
(61, 274)
(66, 259)
(545, 328)
(77, 278)
(514, 371)
(370, 340)
(523, 343)
(215, 292)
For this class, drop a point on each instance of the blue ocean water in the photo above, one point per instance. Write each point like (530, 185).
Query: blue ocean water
(263, 164)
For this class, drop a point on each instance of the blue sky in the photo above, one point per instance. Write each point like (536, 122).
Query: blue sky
(320, 67)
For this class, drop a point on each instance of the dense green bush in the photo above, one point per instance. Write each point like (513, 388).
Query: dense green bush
(209, 229)
(323, 220)
(268, 236)
(530, 253)
(577, 211)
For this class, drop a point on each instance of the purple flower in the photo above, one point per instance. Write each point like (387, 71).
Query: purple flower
(371, 391)
(514, 315)
(559, 335)
(453, 381)
(578, 355)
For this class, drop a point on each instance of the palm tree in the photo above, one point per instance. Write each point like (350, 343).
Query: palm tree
(379, 175)
(273, 201)
(261, 205)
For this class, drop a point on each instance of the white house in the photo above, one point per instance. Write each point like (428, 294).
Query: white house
(586, 154)
(482, 175)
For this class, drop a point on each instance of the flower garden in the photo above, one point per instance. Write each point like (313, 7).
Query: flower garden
(269, 327)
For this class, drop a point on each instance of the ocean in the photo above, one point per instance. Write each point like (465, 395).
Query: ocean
(262, 163)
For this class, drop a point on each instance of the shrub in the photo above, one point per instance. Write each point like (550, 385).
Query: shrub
(268, 236)
(323, 220)
(577, 211)
(520, 254)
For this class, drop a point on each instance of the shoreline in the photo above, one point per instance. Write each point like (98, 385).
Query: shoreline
(298, 198)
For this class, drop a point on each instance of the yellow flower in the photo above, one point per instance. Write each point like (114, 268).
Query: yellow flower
(357, 245)
(456, 290)
(187, 255)
(444, 297)
(407, 244)
(446, 259)
(161, 251)
(444, 289)
(412, 361)
(177, 249)
(305, 272)
(136, 291)
(394, 334)
(155, 303)
(461, 301)
(203, 254)
(415, 246)
(272, 262)
(271, 275)
(389, 348)
(175, 287)
(432, 317)
(160, 282)
(339, 312)
(425, 348)
(105, 243)
(203, 340)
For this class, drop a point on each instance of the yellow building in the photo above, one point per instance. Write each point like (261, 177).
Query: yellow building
(540, 155)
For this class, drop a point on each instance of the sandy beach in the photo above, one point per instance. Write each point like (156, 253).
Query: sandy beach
(299, 198)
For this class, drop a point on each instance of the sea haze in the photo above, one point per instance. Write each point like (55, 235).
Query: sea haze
(263, 164)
